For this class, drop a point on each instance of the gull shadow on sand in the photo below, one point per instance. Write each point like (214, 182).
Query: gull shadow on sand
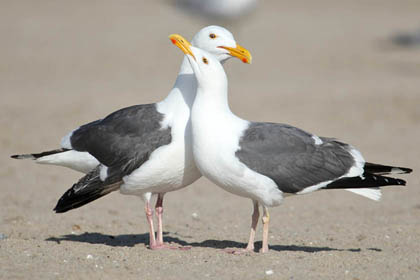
(123, 240)
(224, 244)
(131, 240)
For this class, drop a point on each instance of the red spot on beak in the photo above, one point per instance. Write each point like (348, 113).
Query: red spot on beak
(244, 60)
(173, 41)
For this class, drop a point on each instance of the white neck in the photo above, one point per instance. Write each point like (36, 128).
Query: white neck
(215, 129)
(211, 103)
(185, 87)
(212, 90)
(213, 99)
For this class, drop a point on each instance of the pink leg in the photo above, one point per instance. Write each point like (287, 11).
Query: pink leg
(254, 222)
(255, 217)
(159, 212)
(149, 217)
(265, 221)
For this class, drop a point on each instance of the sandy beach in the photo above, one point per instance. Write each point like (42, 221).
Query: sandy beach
(324, 66)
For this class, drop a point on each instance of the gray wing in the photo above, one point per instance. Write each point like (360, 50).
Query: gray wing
(290, 157)
(123, 140)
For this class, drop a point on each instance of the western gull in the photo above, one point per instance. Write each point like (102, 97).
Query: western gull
(269, 161)
(143, 149)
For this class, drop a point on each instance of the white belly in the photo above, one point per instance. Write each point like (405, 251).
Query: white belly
(168, 169)
(230, 174)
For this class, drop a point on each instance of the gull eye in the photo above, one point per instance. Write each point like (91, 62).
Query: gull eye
(205, 60)
(212, 35)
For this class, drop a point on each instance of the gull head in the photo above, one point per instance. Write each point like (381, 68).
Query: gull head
(206, 66)
(220, 42)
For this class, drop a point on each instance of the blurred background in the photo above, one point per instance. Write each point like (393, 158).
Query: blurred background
(349, 69)
(321, 65)
(346, 69)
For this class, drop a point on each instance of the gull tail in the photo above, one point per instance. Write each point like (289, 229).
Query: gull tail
(79, 161)
(39, 155)
(366, 185)
(89, 188)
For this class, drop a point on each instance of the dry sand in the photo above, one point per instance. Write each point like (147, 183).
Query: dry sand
(319, 65)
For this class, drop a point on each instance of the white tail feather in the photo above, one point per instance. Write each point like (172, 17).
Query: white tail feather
(79, 161)
(371, 193)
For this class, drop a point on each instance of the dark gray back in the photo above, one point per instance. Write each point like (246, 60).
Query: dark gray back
(289, 156)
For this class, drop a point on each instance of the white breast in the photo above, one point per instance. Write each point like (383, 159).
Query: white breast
(172, 166)
(215, 141)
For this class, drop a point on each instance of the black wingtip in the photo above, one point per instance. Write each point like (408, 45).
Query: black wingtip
(58, 209)
(407, 170)
(88, 189)
(70, 200)
(381, 169)
(62, 205)
(401, 170)
(401, 182)
(14, 156)
(366, 181)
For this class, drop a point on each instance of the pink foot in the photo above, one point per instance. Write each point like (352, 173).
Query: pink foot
(160, 246)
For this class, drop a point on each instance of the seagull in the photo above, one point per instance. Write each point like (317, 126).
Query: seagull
(406, 39)
(219, 9)
(269, 161)
(143, 149)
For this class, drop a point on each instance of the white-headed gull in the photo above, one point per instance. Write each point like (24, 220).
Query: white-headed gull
(268, 161)
(143, 149)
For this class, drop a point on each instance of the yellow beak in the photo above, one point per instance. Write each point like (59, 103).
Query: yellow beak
(181, 43)
(239, 52)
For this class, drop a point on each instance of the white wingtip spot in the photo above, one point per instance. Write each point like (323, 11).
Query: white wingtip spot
(396, 170)
(103, 173)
